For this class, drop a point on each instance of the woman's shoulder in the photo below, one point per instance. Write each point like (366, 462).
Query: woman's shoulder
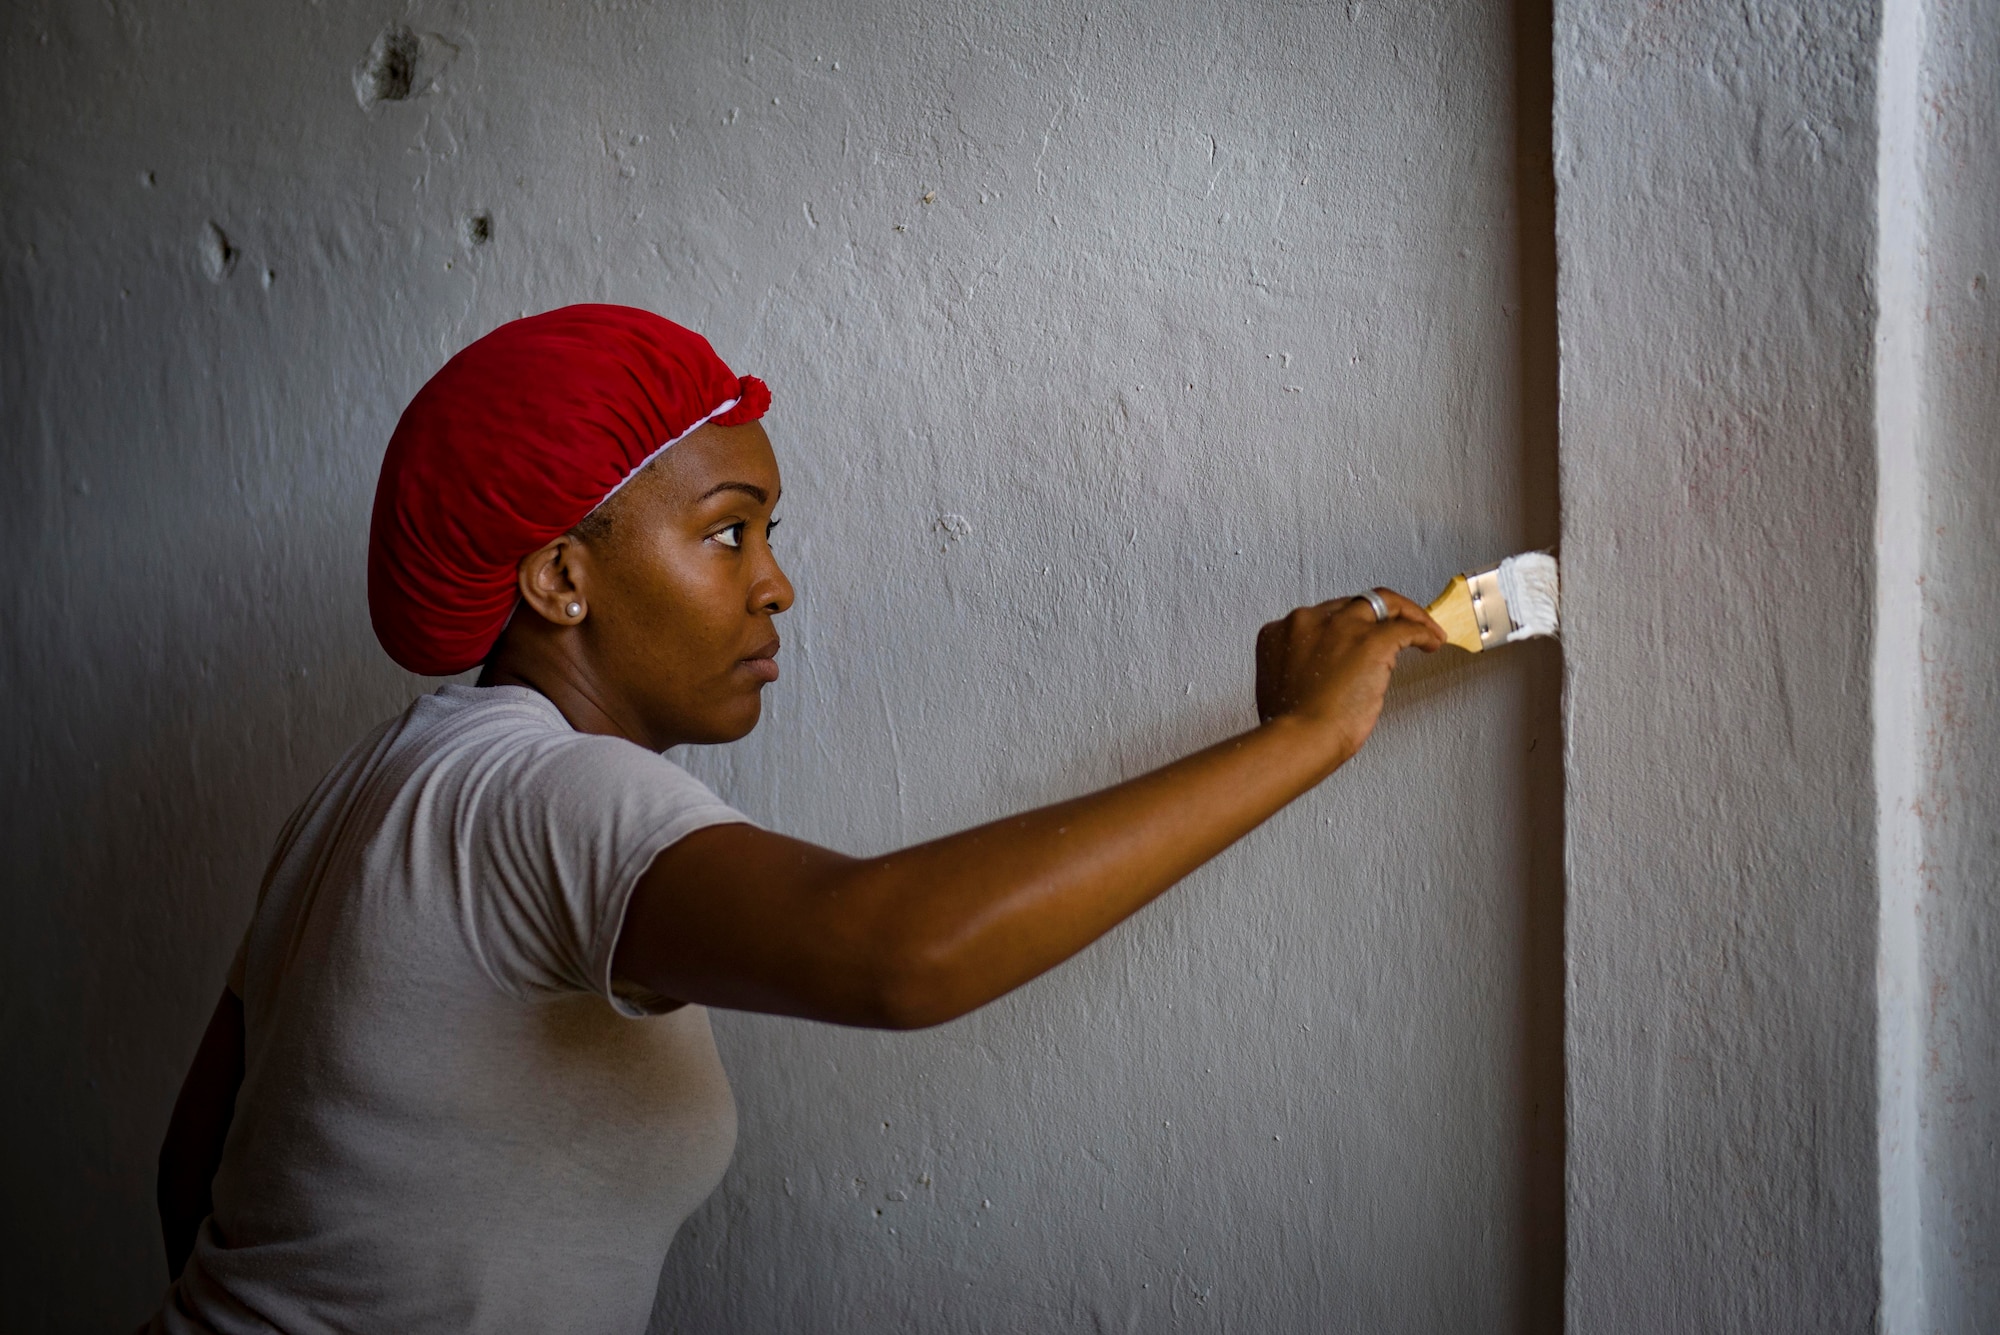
(509, 719)
(434, 733)
(519, 737)
(501, 707)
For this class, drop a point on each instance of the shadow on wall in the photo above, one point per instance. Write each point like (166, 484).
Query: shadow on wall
(1542, 1230)
(136, 892)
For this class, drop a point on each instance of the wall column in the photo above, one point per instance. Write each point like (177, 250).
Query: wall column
(1715, 173)
(1937, 694)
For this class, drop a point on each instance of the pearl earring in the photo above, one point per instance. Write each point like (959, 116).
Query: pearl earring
(574, 609)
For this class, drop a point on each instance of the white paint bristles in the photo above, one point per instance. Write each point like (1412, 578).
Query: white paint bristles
(1529, 584)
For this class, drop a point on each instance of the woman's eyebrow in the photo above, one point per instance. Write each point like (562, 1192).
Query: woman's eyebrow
(749, 488)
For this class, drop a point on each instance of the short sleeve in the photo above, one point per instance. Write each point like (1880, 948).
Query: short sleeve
(553, 836)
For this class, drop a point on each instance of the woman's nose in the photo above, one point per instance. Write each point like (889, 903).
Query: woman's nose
(772, 592)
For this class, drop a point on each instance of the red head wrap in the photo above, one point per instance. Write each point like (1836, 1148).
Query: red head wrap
(519, 437)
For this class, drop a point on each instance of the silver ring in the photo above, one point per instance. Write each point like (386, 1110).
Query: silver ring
(1375, 601)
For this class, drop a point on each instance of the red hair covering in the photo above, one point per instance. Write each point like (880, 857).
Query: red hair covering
(508, 447)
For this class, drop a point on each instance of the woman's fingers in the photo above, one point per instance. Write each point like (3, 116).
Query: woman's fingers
(1333, 660)
(1410, 610)
(1358, 609)
(1399, 633)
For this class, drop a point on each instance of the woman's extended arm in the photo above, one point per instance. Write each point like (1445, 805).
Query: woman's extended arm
(739, 917)
(193, 1145)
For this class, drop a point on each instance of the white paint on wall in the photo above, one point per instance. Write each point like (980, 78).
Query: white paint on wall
(1937, 694)
(1097, 337)
(1898, 670)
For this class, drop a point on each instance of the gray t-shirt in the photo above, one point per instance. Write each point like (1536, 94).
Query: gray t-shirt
(450, 1119)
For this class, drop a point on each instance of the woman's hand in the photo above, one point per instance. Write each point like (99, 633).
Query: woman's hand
(1329, 665)
(737, 916)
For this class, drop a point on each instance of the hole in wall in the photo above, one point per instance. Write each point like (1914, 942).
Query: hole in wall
(218, 257)
(402, 64)
(477, 228)
(390, 71)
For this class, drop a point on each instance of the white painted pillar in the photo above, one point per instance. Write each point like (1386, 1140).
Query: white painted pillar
(1715, 197)
(1938, 666)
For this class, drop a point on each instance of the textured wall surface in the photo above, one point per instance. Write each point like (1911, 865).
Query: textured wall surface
(1937, 691)
(1098, 336)
(1715, 173)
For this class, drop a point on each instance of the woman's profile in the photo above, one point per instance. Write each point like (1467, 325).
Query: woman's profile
(461, 1076)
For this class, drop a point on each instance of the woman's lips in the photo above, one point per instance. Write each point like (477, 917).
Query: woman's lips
(763, 664)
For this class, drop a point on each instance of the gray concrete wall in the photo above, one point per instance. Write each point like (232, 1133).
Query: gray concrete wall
(1937, 692)
(1715, 168)
(1097, 337)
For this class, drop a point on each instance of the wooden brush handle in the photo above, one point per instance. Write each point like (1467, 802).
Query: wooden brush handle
(1452, 609)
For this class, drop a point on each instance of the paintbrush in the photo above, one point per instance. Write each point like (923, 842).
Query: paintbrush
(1515, 600)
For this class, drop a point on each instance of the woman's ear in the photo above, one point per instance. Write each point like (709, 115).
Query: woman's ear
(551, 580)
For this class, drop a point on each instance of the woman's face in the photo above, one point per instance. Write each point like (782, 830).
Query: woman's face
(682, 589)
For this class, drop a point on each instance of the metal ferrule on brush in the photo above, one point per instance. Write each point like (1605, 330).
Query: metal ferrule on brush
(1489, 608)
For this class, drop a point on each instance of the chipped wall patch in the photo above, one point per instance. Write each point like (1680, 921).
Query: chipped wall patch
(954, 527)
(403, 63)
(218, 257)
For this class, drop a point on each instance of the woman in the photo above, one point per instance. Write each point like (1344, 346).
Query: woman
(461, 1077)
